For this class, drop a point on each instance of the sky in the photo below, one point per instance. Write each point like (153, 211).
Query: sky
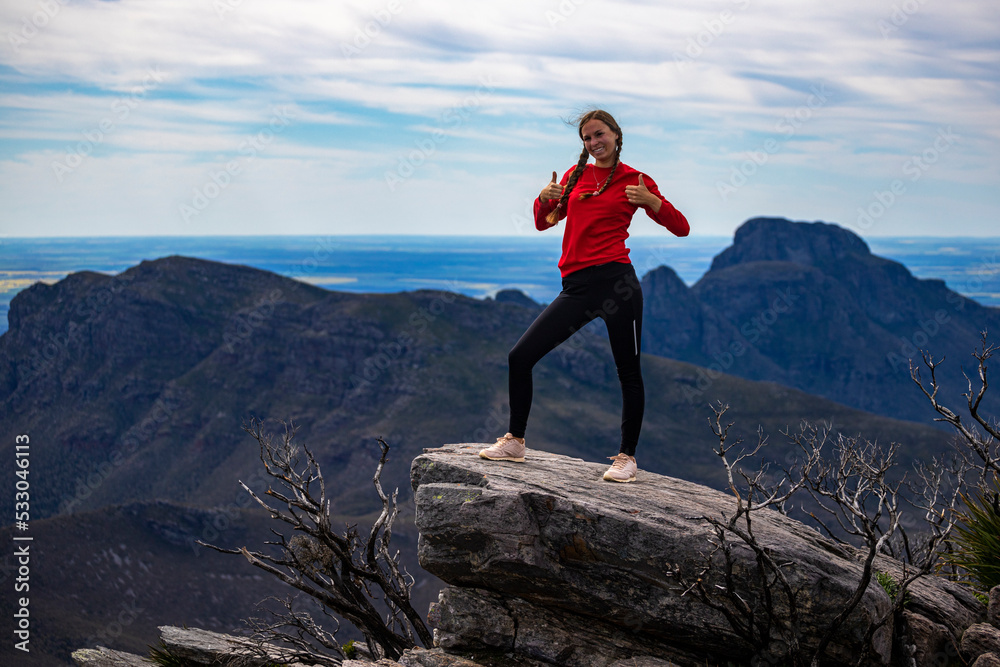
(398, 117)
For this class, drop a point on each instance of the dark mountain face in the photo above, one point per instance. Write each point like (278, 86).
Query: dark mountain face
(778, 240)
(809, 306)
(132, 389)
(92, 367)
(135, 386)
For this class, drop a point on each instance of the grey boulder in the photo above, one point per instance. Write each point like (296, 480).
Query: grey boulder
(550, 562)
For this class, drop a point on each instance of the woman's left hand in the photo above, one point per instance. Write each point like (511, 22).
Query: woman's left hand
(641, 196)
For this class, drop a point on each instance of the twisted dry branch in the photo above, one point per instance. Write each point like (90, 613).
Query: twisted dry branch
(339, 570)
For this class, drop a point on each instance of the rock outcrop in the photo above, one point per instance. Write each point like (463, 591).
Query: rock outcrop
(193, 647)
(187, 646)
(105, 657)
(981, 642)
(809, 306)
(547, 562)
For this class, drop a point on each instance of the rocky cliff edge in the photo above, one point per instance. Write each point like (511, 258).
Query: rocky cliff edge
(547, 562)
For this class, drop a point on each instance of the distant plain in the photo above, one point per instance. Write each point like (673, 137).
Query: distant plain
(474, 266)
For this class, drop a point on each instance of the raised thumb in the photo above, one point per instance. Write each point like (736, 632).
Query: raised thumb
(640, 181)
(553, 177)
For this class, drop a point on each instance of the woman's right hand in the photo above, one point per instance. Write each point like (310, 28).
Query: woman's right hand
(552, 190)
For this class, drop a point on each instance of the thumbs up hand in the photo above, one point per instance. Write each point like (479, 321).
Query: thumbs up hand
(641, 196)
(552, 190)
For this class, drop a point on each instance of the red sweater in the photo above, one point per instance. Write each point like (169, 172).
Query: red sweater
(596, 228)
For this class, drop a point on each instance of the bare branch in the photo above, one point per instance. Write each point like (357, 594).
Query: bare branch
(299, 645)
(347, 576)
(984, 446)
(854, 497)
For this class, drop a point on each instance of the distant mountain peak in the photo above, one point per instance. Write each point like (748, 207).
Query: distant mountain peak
(516, 297)
(781, 240)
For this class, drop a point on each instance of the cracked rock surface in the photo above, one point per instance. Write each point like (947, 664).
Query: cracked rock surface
(547, 562)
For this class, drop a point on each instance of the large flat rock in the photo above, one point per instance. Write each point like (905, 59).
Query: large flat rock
(552, 533)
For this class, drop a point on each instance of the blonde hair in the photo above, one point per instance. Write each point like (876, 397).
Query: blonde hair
(606, 118)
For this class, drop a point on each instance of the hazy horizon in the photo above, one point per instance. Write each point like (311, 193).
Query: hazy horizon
(473, 265)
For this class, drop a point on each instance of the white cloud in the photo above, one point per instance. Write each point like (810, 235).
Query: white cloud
(696, 85)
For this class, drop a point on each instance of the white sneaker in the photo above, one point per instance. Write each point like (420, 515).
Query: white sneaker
(507, 448)
(623, 469)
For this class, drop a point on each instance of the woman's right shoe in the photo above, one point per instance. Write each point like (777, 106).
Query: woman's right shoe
(506, 448)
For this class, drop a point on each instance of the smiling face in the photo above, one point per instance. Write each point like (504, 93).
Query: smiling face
(600, 141)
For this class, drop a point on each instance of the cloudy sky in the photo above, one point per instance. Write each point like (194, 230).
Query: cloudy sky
(167, 117)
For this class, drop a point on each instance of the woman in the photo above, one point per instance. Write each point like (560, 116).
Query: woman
(598, 201)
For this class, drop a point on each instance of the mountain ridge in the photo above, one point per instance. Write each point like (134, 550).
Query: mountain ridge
(146, 401)
(809, 306)
(133, 388)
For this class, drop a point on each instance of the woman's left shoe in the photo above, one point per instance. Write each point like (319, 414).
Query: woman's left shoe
(623, 468)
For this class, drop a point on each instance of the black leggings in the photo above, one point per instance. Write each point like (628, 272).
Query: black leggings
(609, 291)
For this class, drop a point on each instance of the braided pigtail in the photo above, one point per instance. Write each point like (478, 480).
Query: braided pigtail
(607, 181)
(553, 217)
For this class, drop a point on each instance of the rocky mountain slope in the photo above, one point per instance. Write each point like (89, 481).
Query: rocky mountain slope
(809, 306)
(132, 389)
(140, 396)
